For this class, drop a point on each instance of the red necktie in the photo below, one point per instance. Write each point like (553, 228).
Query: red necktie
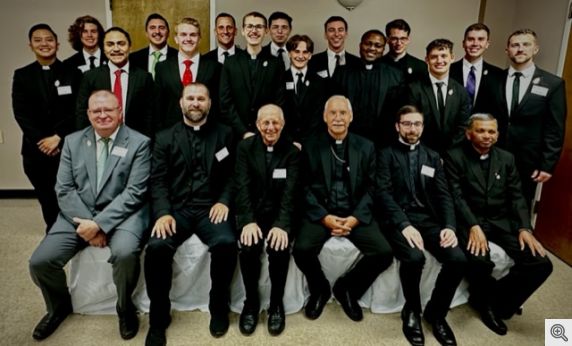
(187, 75)
(117, 88)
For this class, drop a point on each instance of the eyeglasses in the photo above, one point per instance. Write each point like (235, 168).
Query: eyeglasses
(251, 27)
(417, 124)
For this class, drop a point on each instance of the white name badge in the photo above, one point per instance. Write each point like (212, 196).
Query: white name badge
(119, 151)
(279, 173)
(289, 85)
(64, 90)
(221, 154)
(539, 90)
(83, 68)
(428, 171)
(323, 74)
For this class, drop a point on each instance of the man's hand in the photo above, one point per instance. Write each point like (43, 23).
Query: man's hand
(247, 134)
(336, 225)
(100, 240)
(526, 238)
(86, 229)
(540, 176)
(49, 145)
(250, 234)
(164, 226)
(277, 239)
(448, 238)
(478, 244)
(218, 213)
(413, 237)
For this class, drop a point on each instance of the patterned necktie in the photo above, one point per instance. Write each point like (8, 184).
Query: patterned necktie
(515, 92)
(471, 84)
(440, 101)
(187, 75)
(117, 90)
(156, 56)
(91, 62)
(102, 159)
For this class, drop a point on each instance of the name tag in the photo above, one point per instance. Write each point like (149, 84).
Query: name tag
(119, 151)
(323, 74)
(83, 68)
(289, 85)
(428, 171)
(539, 90)
(221, 154)
(279, 173)
(64, 90)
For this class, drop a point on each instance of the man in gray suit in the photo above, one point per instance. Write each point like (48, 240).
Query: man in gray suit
(101, 188)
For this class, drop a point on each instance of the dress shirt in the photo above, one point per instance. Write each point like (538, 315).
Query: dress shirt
(444, 88)
(194, 65)
(99, 143)
(163, 56)
(285, 58)
(295, 72)
(525, 80)
(478, 73)
(97, 56)
(124, 83)
(332, 60)
(220, 53)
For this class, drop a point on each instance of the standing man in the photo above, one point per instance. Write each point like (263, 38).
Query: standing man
(415, 200)
(326, 62)
(485, 185)
(250, 79)
(535, 104)
(86, 37)
(442, 100)
(280, 27)
(266, 179)
(43, 100)
(184, 68)
(157, 32)
(480, 78)
(339, 170)
(133, 87)
(102, 190)
(397, 32)
(191, 189)
(225, 31)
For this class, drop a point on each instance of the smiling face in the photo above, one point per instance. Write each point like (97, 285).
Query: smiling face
(270, 122)
(44, 44)
(254, 30)
(104, 113)
(116, 48)
(300, 56)
(188, 37)
(475, 44)
(89, 36)
(338, 116)
(225, 31)
(195, 104)
(371, 47)
(483, 134)
(157, 33)
(439, 60)
(521, 50)
(336, 35)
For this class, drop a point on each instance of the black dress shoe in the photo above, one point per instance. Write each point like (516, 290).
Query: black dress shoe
(156, 337)
(316, 303)
(442, 332)
(412, 327)
(218, 325)
(48, 324)
(248, 319)
(276, 320)
(493, 322)
(349, 304)
(128, 325)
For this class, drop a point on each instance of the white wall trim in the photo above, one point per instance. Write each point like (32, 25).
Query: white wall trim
(564, 46)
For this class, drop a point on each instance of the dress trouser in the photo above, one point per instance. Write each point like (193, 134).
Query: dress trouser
(42, 172)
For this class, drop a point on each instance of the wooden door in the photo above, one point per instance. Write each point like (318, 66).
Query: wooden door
(131, 16)
(554, 222)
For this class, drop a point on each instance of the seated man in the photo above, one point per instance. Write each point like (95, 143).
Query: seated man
(414, 197)
(340, 177)
(266, 179)
(101, 188)
(485, 185)
(191, 190)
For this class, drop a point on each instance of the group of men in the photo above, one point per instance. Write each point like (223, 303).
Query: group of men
(254, 146)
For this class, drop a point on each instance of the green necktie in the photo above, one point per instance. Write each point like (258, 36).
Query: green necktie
(102, 159)
(156, 56)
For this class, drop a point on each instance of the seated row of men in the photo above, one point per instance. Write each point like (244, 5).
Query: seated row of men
(397, 201)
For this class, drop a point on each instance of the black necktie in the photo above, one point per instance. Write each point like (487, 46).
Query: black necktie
(91, 62)
(515, 91)
(299, 82)
(224, 56)
(338, 62)
(440, 101)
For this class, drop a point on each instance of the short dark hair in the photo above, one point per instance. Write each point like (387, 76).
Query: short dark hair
(156, 16)
(280, 15)
(398, 24)
(41, 26)
(255, 14)
(373, 32)
(118, 29)
(440, 43)
(407, 109)
(335, 19)
(295, 40)
(75, 30)
(477, 27)
(522, 32)
(225, 15)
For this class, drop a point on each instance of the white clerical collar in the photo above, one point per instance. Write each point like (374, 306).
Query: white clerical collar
(411, 146)
(269, 148)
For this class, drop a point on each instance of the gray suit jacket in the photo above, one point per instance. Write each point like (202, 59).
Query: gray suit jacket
(121, 200)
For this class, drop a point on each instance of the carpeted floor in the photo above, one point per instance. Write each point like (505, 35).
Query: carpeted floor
(22, 306)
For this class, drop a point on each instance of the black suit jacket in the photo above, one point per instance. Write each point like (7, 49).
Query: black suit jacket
(171, 167)
(242, 95)
(213, 54)
(319, 63)
(170, 88)
(437, 135)
(266, 191)
(140, 58)
(535, 132)
(39, 108)
(317, 168)
(77, 60)
(140, 104)
(303, 112)
(491, 77)
(412, 68)
(495, 198)
(394, 186)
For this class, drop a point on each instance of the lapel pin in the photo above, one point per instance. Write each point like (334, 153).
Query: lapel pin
(57, 83)
(265, 63)
(409, 70)
(536, 80)
(307, 83)
(485, 72)
(450, 92)
(88, 143)
(497, 176)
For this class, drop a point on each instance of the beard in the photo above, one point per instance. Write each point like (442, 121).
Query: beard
(194, 116)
